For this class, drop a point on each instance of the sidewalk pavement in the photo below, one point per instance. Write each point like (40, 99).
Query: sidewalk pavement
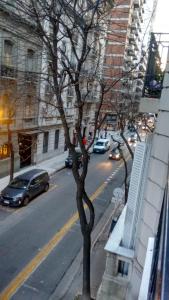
(51, 166)
(71, 284)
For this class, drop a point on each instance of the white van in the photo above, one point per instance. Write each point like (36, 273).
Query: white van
(101, 146)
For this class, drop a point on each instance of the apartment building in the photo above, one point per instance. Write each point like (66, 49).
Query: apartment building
(125, 55)
(28, 106)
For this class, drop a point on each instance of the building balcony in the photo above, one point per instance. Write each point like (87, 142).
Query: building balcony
(131, 51)
(136, 47)
(31, 77)
(133, 25)
(135, 15)
(131, 37)
(141, 15)
(130, 48)
(137, 3)
(140, 82)
(29, 122)
(136, 31)
(8, 71)
(128, 59)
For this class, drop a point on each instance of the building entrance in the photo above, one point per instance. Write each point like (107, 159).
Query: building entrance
(25, 149)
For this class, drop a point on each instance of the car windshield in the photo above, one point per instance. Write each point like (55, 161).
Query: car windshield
(19, 183)
(99, 144)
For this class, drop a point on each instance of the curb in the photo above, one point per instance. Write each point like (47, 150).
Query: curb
(55, 171)
(69, 276)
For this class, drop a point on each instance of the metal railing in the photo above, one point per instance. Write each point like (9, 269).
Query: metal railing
(159, 281)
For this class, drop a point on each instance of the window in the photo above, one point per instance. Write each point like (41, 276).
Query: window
(30, 60)
(35, 181)
(45, 142)
(31, 66)
(8, 53)
(56, 139)
(29, 109)
(123, 268)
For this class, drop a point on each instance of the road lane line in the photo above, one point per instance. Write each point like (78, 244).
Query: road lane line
(17, 282)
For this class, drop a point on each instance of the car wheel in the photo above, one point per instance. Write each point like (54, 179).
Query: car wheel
(46, 187)
(26, 201)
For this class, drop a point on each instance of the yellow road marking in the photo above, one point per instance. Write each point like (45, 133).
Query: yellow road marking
(16, 283)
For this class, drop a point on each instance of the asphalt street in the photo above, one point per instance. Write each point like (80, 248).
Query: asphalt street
(39, 242)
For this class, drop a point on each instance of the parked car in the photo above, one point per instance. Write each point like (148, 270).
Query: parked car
(25, 187)
(115, 154)
(101, 146)
(69, 160)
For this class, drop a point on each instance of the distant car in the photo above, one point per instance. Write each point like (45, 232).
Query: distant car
(101, 146)
(132, 138)
(144, 127)
(69, 160)
(115, 154)
(25, 187)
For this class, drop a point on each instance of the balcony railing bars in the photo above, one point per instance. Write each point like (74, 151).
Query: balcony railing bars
(159, 280)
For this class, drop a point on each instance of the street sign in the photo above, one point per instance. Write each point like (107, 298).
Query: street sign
(4, 151)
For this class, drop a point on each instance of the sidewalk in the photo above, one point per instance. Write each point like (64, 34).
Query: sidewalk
(51, 166)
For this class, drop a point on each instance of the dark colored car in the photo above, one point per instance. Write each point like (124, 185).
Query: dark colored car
(25, 187)
(115, 154)
(69, 160)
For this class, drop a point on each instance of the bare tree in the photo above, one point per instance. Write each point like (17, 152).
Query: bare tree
(70, 32)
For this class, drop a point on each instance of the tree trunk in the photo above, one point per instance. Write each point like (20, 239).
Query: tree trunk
(125, 180)
(10, 145)
(86, 266)
(11, 172)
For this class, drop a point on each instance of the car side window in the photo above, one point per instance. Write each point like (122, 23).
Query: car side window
(35, 181)
(41, 177)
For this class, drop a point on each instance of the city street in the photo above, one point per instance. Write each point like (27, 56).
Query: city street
(39, 242)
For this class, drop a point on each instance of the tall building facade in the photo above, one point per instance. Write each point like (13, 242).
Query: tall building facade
(125, 55)
(27, 117)
(19, 88)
